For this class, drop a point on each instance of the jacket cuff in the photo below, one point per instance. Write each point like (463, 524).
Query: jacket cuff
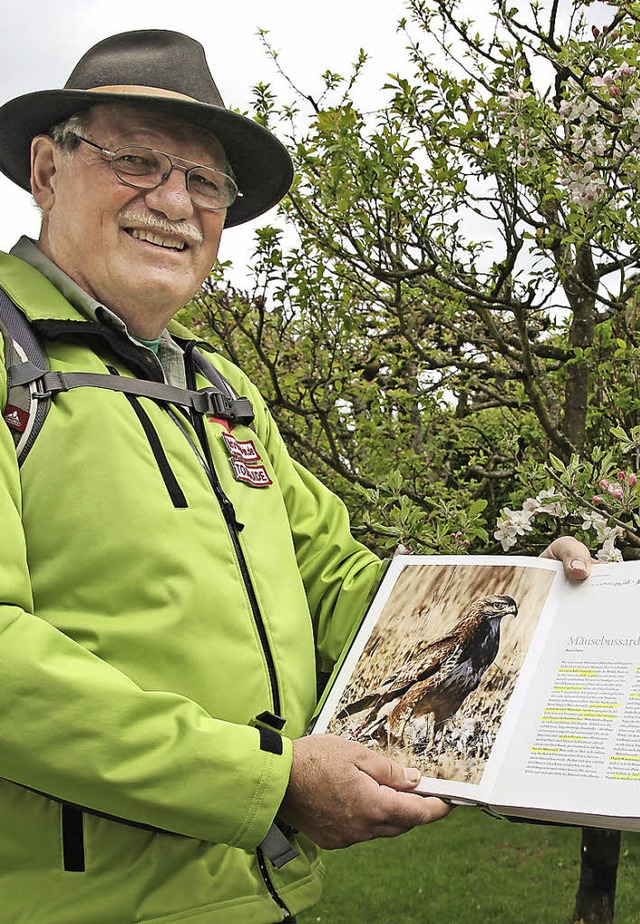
(271, 785)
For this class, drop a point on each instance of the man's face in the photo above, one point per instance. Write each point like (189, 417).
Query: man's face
(142, 253)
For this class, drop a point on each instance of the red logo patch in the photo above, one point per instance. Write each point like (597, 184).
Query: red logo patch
(255, 475)
(241, 449)
(16, 418)
(244, 458)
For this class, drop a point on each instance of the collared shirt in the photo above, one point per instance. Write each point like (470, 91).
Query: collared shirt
(169, 356)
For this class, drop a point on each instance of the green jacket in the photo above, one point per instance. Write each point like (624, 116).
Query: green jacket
(140, 635)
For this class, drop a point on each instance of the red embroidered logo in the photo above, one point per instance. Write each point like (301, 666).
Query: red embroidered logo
(16, 418)
(255, 475)
(241, 449)
(245, 459)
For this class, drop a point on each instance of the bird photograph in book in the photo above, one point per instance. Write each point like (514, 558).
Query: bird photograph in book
(439, 664)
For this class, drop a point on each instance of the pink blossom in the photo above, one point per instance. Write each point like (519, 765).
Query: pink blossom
(617, 492)
(633, 480)
(604, 484)
(621, 476)
(596, 499)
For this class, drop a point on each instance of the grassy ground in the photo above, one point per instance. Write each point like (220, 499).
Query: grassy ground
(468, 869)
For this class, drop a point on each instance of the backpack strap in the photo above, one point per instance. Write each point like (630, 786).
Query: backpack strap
(22, 413)
(31, 384)
(209, 371)
(202, 401)
(206, 368)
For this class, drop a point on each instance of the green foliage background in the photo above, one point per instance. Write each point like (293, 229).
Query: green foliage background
(450, 295)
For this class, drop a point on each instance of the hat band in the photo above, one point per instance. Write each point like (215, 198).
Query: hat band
(142, 91)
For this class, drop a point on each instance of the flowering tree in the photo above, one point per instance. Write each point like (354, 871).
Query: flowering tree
(463, 284)
(448, 328)
(603, 512)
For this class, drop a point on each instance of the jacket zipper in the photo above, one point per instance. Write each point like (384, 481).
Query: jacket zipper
(234, 527)
(203, 454)
(262, 866)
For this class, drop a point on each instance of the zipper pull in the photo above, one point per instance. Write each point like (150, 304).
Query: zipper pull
(229, 512)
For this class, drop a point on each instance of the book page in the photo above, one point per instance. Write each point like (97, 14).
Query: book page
(430, 675)
(577, 749)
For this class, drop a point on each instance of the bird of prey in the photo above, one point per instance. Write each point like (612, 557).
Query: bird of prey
(436, 677)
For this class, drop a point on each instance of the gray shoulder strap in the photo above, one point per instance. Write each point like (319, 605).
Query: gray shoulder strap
(22, 413)
(202, 401)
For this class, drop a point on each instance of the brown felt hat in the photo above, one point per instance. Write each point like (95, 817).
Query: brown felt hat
(160, 70)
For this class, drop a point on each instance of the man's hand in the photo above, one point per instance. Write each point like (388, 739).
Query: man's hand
(341, 793)
(573, 554)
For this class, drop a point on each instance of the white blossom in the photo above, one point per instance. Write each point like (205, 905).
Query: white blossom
(514, 523)
(605, 533)
(593, 520)
(549, 501)
(609, 552)
(632, 112)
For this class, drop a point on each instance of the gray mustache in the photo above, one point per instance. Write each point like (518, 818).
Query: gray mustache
(159, 224)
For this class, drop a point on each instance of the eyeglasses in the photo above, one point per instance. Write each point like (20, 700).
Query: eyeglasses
(146, 168)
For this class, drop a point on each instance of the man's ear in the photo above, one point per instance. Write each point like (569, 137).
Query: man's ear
(44, 161)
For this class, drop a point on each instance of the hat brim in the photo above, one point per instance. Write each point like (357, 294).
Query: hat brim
(261, 164)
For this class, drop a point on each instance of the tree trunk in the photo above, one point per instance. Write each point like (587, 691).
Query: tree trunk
(596, 895)
(580, 288)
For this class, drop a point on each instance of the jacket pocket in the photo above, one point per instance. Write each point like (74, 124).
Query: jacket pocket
(171, 482)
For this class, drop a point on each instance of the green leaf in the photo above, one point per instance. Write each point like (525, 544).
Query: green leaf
(477, 507)
(557, 463)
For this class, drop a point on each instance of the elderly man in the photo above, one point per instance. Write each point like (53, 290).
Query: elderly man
(171, 580)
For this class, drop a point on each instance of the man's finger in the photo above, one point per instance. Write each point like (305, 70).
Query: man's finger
(405, 810)
(387, 772)
(573, 554)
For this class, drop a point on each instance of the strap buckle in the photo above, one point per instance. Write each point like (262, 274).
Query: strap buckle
(212, 401)
(49, 383)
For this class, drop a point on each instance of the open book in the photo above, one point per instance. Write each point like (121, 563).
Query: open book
(505, 684)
